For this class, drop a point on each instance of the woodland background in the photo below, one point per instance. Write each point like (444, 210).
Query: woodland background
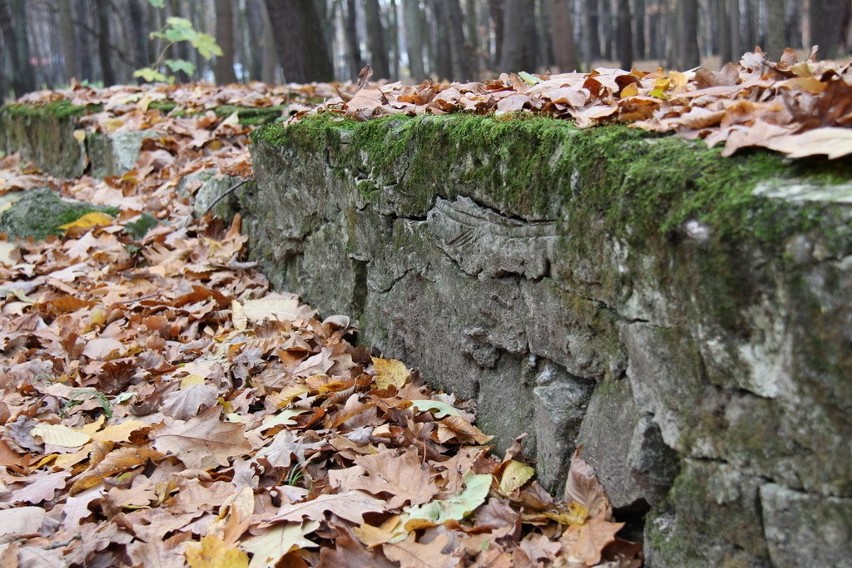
(47, 43)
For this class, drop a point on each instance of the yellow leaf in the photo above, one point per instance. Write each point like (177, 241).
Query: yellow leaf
(630, 90)
(515, 475)
(79, 135)
(6, 250)
(191, 380)
(59, 435)
(271, 544)
(212, 552)
(238, 315)
(93, 219)
(390, 372)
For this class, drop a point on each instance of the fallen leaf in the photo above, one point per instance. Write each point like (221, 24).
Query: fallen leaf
(203, 442)
(350, 505)
(212, 552)
(390, 372)
(272, 543)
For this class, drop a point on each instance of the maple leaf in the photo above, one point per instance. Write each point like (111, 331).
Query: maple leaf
(272, 543)
(349, 505)
(203, 442)
(411, 554)
(42, 488)
(212, 552)
(586, 542)
(404, 477)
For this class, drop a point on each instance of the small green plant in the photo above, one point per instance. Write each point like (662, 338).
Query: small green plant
(177, 30)
(77, 400)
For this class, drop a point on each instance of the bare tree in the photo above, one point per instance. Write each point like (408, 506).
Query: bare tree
(298, 36)
(14, 24)
(376, 39)
(413, 16)
(225, 39)
(562, 33)
(623, 35)
(455, 21)
(776, 39)
(686, 53)
(519, 49)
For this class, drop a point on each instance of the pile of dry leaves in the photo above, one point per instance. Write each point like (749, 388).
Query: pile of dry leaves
(159, 406)
(797, 108)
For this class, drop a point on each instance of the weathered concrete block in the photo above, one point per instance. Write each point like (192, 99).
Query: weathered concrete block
(806, 530)
(520, 262)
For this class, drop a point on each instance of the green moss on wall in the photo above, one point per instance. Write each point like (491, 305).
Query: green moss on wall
(641, 184)
(61, 109)
(40, 212)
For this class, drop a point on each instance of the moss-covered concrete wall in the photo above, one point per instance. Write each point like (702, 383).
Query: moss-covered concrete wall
(685, 317)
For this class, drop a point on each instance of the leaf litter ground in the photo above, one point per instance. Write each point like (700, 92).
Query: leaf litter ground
(161, 406)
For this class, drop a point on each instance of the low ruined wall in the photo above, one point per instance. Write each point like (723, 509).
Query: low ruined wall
(684, 317)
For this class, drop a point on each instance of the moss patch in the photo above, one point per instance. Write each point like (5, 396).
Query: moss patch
(40, 212)
(641, 184)
(58, 109)
(251, 116)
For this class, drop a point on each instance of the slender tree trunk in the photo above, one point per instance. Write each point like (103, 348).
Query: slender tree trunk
(624, 38)
(639, 49)
(270, 55)
(69, 41)
(562, 32)
(607, 29)
(14, 26)
(495, 9)
(750, 31)
(829, 20)
(136, 12)
(393, 37)
(352, 46)
(414, 38)
(104, 45)
(724, 34)
(443, 50)
(376, 39)
(775, 37)
(687, 55)
(472, 45)
(734, 16)
(519, 49)
(298, 36)
(225, 39)
(455, 21)
(591, 39)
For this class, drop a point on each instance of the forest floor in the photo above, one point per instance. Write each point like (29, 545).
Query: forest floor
(161, 406)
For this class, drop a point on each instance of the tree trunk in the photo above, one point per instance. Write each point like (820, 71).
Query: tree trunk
(225, 38)
(724, 28)
(376, 39)
(455, 21)
(639, 50)
(14, 27)
(472, 45)
(829, 20)
(443, 52)
(270, 55)
(687, 56)
(519, 48)
(607, 29)
(495, 10)
(591, 37)
(104, 46)
(562, 33)
(352, 46)
(412, 16)
(298, 36)
(136, 12)
(775, 34)
(69, 41)
(624, 38)
(393, 36)
(734, 16)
